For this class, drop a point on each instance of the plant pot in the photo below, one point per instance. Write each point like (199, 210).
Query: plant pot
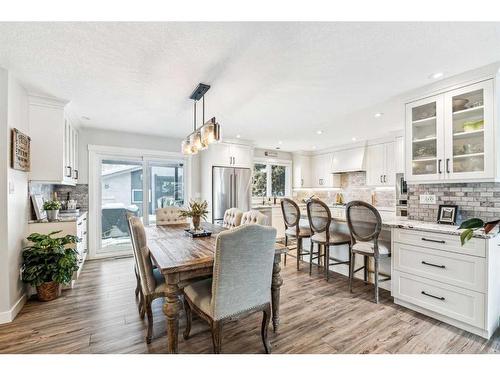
(48, 291)
(196, 223)
(52, 215)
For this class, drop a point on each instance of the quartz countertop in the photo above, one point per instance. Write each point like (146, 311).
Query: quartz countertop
(63, 219)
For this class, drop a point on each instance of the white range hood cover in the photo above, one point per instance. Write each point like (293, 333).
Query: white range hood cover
(351, 160)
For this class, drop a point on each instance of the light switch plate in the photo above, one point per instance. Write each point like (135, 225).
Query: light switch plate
(427, 199)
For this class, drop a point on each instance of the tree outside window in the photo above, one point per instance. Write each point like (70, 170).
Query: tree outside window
(278, 173)
(269, 180)
(259, 186)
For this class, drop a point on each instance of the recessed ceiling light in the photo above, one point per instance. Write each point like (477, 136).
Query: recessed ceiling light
(436, 75)
(319, 132)
(313, 147)
(378, 114)
(353, 139)
(280, 142)
(238, 136)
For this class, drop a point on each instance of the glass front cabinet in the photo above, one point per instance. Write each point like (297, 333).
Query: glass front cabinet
(451, 136)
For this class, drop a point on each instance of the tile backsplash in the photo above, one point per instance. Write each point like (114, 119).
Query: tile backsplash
(480, 200)
(79, 192)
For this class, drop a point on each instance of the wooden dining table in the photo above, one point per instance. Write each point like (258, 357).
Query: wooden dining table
(181, 258)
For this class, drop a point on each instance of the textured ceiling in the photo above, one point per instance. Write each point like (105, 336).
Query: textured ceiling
(270, 81)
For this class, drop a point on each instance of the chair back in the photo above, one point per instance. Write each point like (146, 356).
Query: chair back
(364, 221)
(169, 216)
(254, 217)
(141, 253)
(232, 218)
(291, 213)
(243, 267)
(319, 216)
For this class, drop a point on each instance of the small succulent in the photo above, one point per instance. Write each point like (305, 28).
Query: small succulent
(51, 205)
(196, 209)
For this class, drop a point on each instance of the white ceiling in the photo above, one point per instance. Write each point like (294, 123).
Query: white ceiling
(270, 81)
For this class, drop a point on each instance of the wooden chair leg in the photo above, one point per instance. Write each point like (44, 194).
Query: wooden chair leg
(327, 261)
(299, 252)
(375, 261)
(138, 283)
(142, 308)
(311, 258)
(351, 273)
(265, 325)
(286, 245)
(150, 321)
(217, 336)
(365, 275)
(189, 319)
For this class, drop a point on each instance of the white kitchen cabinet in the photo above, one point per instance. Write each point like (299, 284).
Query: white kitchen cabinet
(228, 155)
(399, 154)
(380, 164)
(451, 136)
(301, 171)
(54, 142)
(321, 172)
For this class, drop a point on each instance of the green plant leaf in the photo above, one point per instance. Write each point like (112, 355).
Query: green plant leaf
(473, 223)
(466, 235)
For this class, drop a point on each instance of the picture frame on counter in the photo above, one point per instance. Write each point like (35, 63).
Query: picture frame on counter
(447, 214)
(37, 200)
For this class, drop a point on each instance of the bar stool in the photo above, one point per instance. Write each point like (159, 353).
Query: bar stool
(365, 224)
(320, 219)
(294, 228)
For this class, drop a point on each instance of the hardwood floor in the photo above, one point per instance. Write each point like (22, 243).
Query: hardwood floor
(100, 316)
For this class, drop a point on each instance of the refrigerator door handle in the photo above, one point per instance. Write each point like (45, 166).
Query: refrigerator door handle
(231, 191)
(235, 192)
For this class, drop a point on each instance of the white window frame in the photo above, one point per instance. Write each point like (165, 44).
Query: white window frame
(288, 174)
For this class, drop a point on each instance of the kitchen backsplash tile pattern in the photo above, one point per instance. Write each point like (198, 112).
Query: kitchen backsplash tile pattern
(79, 192)
(480, 200)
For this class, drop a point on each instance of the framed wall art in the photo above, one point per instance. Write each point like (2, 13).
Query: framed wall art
(20, 146)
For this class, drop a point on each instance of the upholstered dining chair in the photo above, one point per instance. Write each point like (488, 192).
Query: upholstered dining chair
(232, 218)
(137, 291)
(169, 216)
(254, 217)
(325, 235)
(241, 281)
(294, 227)
(151, 280)
(365, 224)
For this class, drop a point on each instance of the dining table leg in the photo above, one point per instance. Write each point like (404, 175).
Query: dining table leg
(172, 309)
(276, 283)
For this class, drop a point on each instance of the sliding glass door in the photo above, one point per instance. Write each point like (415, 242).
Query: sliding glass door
(132, 186)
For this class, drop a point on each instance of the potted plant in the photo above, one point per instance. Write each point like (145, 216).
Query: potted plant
(52, 208)
(48, 262)
(471, 225)
(196, 211)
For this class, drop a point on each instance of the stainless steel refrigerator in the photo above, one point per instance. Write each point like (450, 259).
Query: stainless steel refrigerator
(231, 187)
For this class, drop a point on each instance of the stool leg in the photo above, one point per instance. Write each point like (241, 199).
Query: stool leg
(327, 261)
(351, 273)
(299, 251)
(286, 245)
(376, 278)
(311, 258)
(365, 276)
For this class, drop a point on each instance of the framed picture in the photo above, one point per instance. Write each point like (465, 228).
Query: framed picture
(37, 201)
(447, 214)
(20, 151)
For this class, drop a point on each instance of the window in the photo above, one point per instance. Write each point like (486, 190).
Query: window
(271, 179)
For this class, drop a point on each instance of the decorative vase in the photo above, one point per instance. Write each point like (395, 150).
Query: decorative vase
(52, 215)
(48, 291)
(196, 223)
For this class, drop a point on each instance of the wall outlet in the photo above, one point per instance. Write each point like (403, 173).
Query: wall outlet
(427, 199)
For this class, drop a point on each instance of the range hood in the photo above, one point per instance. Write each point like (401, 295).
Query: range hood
(350, 160)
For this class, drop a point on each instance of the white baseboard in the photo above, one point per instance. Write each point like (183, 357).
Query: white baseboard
(9, 315)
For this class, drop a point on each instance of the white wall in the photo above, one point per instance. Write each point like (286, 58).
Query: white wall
(14, 202)
(282, 155)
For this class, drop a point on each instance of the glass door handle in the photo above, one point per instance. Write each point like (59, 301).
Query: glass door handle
(447, 165)
(439, 166)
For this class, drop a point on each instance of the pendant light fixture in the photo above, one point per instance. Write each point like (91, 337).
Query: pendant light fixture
(207, 133)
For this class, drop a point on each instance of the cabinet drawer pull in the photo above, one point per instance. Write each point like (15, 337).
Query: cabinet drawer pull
(430, 295)
(436, 241)
(433, 265)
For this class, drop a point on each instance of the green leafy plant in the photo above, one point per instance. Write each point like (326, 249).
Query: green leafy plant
(49, 259)
(471, 225)
(196, 209)
(51, 205)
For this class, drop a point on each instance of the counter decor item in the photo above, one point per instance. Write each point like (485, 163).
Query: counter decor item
(37, 201)
(20, 147)
(473, 224)
(48, 263)
(52, 208)
(459, 104)
(196, 211)
(447, 214)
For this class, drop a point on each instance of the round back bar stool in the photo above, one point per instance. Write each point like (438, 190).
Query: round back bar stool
(365, 224)
(293, 227)
(320, 219)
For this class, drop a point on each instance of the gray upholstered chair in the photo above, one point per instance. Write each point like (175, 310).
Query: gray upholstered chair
(254, 217)
(241, 281)
(294, 227)
(365, 224)
(151, 280)
(169, 216)
(232, 218)
(325, 235)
